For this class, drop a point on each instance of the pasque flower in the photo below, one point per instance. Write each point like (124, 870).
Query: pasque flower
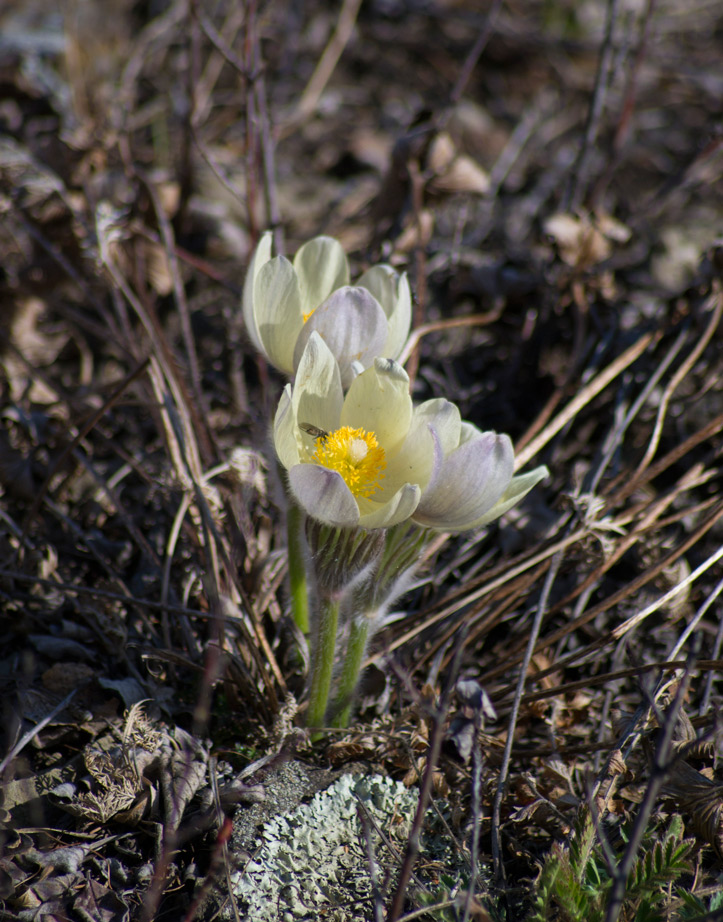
(371, 459)
(284, 302)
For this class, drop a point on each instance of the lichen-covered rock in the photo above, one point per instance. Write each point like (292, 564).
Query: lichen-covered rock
(315, 857)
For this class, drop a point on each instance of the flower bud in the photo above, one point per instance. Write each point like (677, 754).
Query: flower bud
(285, 302)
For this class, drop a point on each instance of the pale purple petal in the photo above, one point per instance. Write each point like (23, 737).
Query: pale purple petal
(352, 324)
(444, 416)
(518, 488)
(397, 509)
(324, 495)
(472, 479)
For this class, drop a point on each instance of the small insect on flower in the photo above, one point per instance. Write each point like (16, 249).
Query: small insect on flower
(314, 431)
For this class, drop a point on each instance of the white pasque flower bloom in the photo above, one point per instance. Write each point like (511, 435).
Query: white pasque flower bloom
(284, 302)
(372, 459)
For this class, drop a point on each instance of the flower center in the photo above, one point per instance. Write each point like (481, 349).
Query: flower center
(356, 455)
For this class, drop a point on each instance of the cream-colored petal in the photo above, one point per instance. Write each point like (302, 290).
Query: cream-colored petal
(317, 395)
(400, 320)
(352, 324)
(286, 433)
(261, 255)
(433, 433)
(323, 495)
(379, 402)
(415, 461)
(321, 268)
(395, 510)
(392, 292)
(518, 488)
(472, 479)
(381, 281)
(277, 308)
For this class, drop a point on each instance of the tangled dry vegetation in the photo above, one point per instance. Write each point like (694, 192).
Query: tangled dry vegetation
(548, 173)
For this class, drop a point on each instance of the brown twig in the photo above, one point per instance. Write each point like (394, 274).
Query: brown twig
(584, 396)
(617, 597)
(716, 302)
(629, 590)
(622, 131)
(474, 54)
(662, 763)
(251, 142)
(82, 433)
(179, 291)
(633, 483)
(268, 154)
(419, 332)
(575, 191)
(28, 737)
(232, 25)
(512, 723)
(416, 183)
(507, 573)
(311, 95)
(480, 620)
(438, 716)
(567, 688)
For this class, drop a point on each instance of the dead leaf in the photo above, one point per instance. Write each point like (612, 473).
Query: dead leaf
(452, 171)
(702, 799)
(416, 233)
(62, 677)
(585, 240)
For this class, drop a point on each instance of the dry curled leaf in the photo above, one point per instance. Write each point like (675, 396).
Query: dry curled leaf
(453, 171)
(585, 240)
(701, 798)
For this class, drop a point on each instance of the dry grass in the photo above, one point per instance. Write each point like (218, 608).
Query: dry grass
(145, 147)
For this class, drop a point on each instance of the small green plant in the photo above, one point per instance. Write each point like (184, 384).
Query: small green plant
(693, 908)
(445, 902)
(575, 883)
(439, 902)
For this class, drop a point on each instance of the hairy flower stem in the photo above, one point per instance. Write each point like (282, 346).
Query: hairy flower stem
(350, 670)
(297, 567)
(322, 661)
(393, 573)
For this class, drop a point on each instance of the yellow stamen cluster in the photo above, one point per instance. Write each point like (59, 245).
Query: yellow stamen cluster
(356, 455)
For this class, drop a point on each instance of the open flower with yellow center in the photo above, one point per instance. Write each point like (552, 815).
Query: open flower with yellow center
(284, 302)
(371, 459)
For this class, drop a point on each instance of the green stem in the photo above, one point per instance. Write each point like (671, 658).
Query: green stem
(350, 671)
(322, 662)
(297, 567)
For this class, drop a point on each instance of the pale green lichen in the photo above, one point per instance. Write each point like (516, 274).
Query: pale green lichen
(315, 858)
